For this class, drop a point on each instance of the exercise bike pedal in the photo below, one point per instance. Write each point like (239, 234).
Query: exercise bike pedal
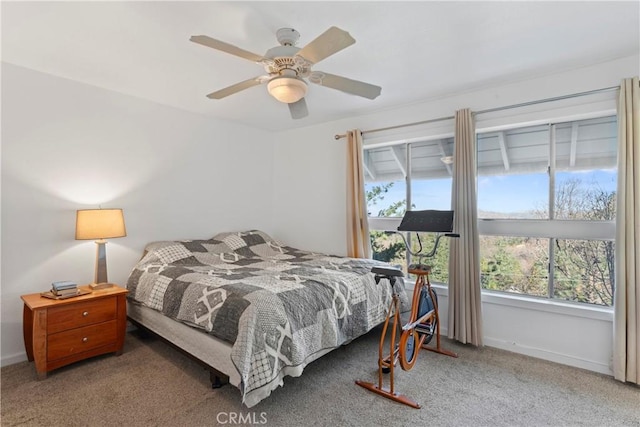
(387, 361)
(425, 328)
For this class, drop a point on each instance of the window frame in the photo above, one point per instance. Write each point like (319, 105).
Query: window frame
(378, 223)
(536, 228)
(549, 228)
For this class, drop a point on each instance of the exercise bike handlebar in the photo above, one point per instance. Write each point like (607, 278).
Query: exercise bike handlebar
(419, 252)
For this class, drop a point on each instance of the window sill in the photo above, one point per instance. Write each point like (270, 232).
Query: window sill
(551, 306)
(532, 303)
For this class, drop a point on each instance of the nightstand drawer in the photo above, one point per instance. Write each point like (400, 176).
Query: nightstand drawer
(76, 341)
(81, 314)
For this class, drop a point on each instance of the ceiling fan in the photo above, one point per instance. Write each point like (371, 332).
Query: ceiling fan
(288, 66)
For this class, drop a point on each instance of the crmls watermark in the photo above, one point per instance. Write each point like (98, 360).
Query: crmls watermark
(237, 418)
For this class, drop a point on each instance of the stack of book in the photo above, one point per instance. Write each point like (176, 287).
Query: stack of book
(64, 289)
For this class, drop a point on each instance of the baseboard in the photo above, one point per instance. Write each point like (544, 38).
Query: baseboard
(13, 359)
(551, 356)
(576, 362)
(602, 368)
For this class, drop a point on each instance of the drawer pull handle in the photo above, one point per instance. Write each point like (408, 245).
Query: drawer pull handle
(85, 313)
(85, 339)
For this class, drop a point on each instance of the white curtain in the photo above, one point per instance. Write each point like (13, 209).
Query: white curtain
(358, 241)
(465, 305)
(626, 298)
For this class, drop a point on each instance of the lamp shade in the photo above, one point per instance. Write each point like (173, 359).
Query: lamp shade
(287, 89)
(94, 224)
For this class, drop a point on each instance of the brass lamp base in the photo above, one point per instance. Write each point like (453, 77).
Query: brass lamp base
(98, 286)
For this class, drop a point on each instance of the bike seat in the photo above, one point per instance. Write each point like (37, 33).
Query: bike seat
(386, 271)
(419, 269)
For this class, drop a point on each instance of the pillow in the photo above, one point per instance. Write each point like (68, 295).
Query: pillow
(250, 243)
(166, 252)
(223, 247)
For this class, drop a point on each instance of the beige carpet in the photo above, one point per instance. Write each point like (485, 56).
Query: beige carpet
(152, 384)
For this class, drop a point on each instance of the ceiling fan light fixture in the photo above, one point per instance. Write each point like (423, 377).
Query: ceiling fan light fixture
(287, 89)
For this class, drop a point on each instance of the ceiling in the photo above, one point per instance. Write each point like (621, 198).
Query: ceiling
(416, 51)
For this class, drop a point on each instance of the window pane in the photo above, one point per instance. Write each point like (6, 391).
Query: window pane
(386, 199)
(389, 248)
(431, 170)
(588, 195)
(584, 271)
(385, 183)
(431, 194)
(513, 180)
(514, 196)
(514, 264)
(586, 176)
(586, 144)
(439, 262)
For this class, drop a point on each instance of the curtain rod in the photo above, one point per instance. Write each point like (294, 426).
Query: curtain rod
(491, 110)
(439, 119)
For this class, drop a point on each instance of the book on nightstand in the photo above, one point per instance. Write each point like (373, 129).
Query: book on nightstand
(66, 292)
(51, 295)
(63, 289)
(63, 285)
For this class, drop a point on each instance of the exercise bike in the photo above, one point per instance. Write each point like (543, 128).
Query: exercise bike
(423, 322)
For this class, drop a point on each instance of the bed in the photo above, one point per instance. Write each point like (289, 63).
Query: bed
(252, 309)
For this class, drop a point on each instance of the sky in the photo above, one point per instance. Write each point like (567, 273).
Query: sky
(506, 194)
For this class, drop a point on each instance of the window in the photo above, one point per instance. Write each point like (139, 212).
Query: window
(546, 206)
(546, 203)
(418, 174)
(515, 264)
(513, 179)
(385, 181)
(584, 271)
(431, 174)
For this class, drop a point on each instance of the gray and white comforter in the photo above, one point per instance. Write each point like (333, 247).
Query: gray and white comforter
(280, 307)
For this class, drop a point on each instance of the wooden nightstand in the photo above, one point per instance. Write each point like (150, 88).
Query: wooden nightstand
(59, 332)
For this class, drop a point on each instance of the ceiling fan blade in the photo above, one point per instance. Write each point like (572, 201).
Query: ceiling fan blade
(354, 87)
(298, 109)
(326, 44)
(236, 88)
(226, 47)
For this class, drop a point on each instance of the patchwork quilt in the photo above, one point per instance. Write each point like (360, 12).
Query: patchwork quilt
(280, 307)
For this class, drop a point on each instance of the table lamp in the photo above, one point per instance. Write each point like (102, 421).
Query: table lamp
(100, 224)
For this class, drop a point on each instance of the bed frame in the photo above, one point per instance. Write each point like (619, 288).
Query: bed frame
(211, 352)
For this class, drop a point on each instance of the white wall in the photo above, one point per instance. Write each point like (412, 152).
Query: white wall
(309, 197)
(68, 146)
